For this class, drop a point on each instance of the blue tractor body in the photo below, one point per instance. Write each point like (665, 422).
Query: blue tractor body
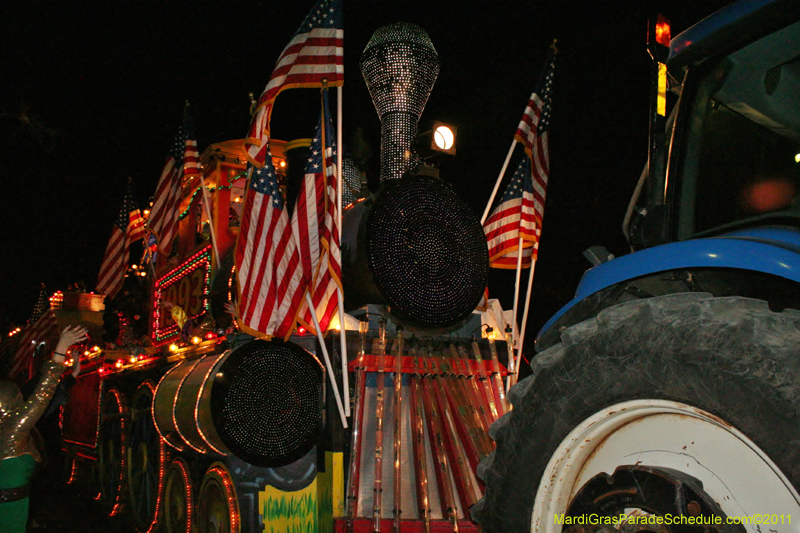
(676, 222)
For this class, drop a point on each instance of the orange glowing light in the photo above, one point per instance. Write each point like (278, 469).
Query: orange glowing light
(73, 472)
(768, 195)
(662, 31)
(221, 474)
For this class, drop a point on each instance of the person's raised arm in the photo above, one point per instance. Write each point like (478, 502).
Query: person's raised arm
(30, 412)
(69, 336)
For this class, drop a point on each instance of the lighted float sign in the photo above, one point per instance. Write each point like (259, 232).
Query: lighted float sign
(185, 286)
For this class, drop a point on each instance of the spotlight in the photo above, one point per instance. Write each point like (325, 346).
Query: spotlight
(438, 140)
(444, 138)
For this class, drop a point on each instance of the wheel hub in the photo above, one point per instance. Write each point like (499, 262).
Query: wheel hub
(645, 498)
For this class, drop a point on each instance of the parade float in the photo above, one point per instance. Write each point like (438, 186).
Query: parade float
(664, 396)
(375, 423)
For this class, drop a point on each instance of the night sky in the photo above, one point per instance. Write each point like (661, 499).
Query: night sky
(93, 92)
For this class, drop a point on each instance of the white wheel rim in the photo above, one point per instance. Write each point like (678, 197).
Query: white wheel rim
(734, 471)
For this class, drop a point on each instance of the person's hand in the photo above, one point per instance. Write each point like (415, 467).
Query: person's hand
(71, 335)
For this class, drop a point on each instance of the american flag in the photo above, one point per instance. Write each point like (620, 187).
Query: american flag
(314, 223)
(533, 133)
(270, 276)
(186, 137)
(44, 329)
(512, 219)
(312, 58)
(42, 303)
(128, 228)
(183, 160)
(509, 261)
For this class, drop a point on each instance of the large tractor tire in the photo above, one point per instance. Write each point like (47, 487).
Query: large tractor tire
(695, 396)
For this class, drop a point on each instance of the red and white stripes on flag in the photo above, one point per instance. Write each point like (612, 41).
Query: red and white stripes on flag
(183, 160)
(514, 219)
(128, 228)
(190, 154)
(533, 133)
(509, 260)
(44, 329)
(269, 273)
(313, 58)
(163, 219)
(314, 223)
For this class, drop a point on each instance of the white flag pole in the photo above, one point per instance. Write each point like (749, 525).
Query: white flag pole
(340, 293)
(497, 184)
(525, 313)
(514, 328)
(326, 357)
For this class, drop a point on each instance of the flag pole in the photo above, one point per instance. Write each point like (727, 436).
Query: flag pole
(497, 183)
(525, 313)
(210, 221)
(342, 328)
(517, 281)
(327, 359)
(514, 328)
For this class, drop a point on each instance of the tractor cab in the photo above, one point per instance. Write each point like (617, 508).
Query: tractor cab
(731, 158)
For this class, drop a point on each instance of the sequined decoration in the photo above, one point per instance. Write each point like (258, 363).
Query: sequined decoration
(400, 66)
(267, 402)
(427, 252)
(19, 418)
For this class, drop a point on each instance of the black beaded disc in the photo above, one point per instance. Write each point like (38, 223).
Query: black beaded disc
(427, 252)
(267, 402)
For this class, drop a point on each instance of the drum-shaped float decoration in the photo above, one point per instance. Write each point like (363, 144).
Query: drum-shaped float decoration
(261, 402)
